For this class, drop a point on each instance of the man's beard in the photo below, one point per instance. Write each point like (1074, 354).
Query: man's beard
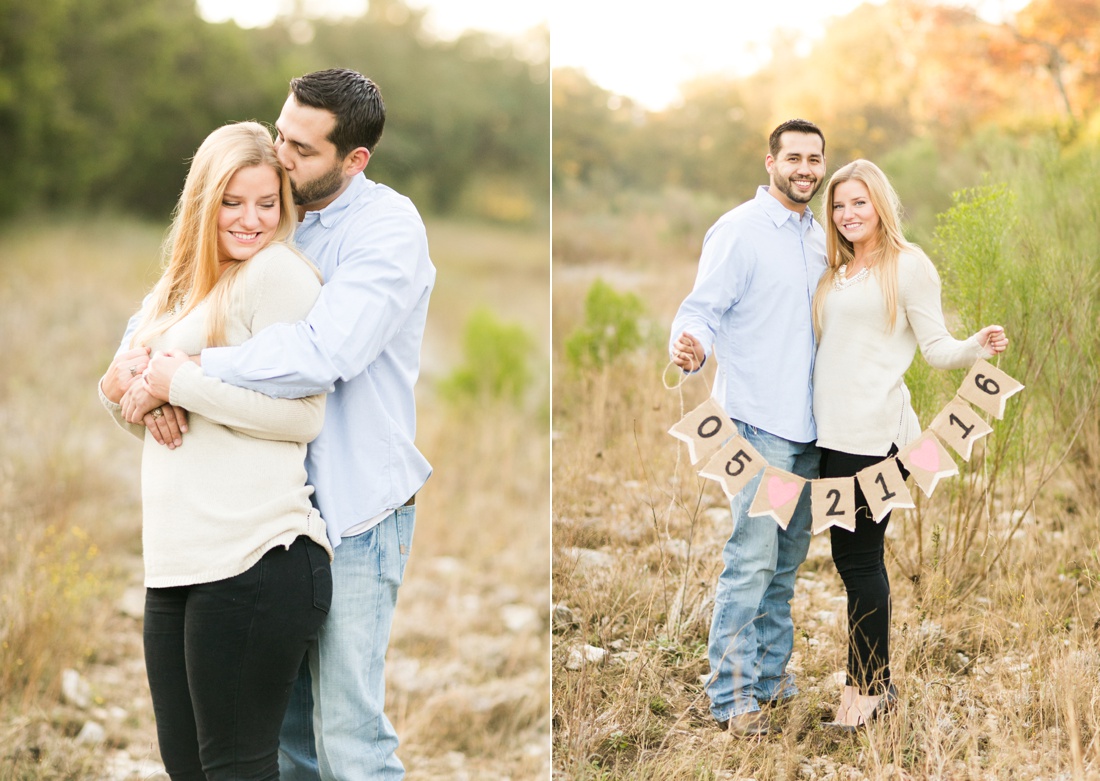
(796, 196)
(318, 189)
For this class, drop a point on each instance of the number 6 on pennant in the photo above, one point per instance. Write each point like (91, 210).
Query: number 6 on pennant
(987, 388)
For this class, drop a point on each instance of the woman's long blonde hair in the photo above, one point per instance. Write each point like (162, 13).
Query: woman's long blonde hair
(890, 242)
(191, 249)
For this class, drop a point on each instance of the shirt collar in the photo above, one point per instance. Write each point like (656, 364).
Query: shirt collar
(779, 213)
(332, 213)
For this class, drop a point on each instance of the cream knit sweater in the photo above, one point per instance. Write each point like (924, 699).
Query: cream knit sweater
(236, 487)
(861, 404)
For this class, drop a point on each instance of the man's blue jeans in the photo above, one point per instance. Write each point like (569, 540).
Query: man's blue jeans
(334, 728)
(751, 633)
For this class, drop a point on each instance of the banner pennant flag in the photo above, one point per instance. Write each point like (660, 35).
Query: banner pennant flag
(959, 426)
(987, 388)
(705, 429)
(833, 503)
(884, 488)
(928, 462)
(734, 466)
(777, 495)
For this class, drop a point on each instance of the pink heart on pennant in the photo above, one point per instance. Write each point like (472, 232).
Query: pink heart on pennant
(927, 456)
(779, 493)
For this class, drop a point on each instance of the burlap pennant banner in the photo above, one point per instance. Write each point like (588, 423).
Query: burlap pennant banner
(833, 503)
(959, 426)
(777, 495)
(705, 429)
(733, 462)
(987, 388)
(884, 488)
(734, 466)
(928, 461)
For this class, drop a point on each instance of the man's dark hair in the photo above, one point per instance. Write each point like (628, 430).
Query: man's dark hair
(353, 98)
(793, 126)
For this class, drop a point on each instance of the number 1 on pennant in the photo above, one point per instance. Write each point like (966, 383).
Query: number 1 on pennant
(884, 488)
(960, 426)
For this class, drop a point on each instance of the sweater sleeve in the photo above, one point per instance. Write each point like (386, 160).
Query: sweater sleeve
(115, 411)
(281, 289)
(920, 289)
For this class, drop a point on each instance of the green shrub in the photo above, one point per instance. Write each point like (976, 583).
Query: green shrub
(497, 361)
(611, 327)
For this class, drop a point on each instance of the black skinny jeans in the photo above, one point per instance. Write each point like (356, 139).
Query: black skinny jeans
(221, 658)
(859, 558)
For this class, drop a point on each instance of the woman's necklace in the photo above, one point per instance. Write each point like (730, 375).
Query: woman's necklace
(842, 281)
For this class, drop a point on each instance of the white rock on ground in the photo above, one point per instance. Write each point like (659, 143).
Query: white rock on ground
(74, 689)
(579, 656)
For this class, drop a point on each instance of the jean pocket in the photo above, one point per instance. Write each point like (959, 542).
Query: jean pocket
(321, 570)
(406, 521)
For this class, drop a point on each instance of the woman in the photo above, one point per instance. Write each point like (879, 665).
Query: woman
(878, 299)
(236, 558)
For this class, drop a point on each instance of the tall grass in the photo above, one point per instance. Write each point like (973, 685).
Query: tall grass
(995, 578)
(468, 668)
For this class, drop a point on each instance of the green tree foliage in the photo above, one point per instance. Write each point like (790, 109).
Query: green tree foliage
(102, 104)
(497, 362)
(931, 80)
(612, 327)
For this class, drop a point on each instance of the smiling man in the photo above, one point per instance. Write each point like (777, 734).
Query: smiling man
(751, 305)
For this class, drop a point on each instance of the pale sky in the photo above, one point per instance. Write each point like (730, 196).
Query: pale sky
(646, 51)
(446, 18)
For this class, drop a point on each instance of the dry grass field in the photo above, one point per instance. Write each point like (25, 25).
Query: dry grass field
(469, 677)
(996, 608)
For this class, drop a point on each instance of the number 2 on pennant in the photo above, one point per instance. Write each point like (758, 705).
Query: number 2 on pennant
(833, 512)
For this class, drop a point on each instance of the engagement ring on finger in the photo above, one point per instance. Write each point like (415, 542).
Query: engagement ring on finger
(158, 413)
(133, 371)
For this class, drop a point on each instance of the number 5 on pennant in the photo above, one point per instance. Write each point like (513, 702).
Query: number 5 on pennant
(734, 466)
(987, 388)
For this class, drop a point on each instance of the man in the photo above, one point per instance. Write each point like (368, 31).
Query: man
(751, 303)
(362, 342)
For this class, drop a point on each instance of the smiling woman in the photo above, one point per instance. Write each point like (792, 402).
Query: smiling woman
(249, 214)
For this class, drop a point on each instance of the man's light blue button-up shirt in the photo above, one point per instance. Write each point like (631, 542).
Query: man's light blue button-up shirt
(751, 306)
(361, 341)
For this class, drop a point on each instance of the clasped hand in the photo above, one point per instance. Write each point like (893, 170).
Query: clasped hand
(145, 402)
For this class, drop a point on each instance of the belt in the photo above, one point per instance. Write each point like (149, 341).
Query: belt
(411, 502)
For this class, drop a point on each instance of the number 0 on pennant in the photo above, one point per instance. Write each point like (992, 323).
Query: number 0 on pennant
(705, 429)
